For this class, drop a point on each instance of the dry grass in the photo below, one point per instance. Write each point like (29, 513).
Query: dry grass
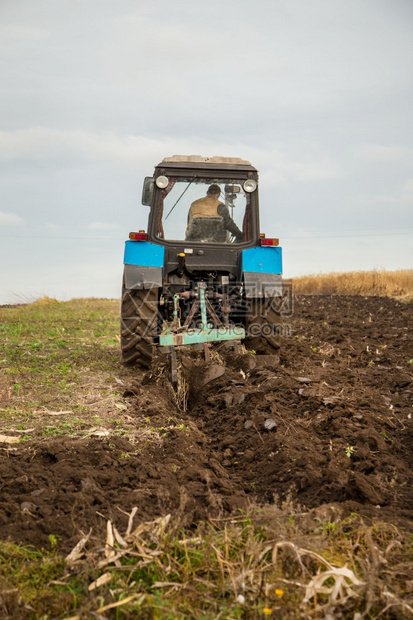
(379, 283)
(277, 563)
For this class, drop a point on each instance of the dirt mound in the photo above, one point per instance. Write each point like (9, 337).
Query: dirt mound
(329, 421)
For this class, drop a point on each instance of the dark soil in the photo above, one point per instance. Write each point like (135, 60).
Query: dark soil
(331, 423)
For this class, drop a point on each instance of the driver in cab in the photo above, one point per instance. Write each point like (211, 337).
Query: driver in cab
(211, 207)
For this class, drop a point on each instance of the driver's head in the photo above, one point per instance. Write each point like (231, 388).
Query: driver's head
(214, 190)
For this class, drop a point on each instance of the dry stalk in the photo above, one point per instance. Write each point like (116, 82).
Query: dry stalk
(110, 541)
(344, 578)
(77, 551)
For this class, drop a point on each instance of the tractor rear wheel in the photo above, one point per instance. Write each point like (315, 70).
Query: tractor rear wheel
(261, 326)
(139, 320)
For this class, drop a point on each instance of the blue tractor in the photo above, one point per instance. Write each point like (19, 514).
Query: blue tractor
(202, 273)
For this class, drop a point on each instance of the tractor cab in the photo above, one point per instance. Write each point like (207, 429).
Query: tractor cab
(182, 210)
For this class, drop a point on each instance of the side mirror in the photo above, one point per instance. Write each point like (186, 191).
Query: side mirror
(147, 191)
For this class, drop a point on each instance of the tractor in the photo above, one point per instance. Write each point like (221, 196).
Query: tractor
(202, 274)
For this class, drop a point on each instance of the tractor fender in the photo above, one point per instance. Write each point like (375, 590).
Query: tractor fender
(261, 272)
(143, 265)
(262, 285)
(138, 277)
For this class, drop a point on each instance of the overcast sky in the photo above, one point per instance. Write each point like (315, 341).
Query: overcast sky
(317, 94)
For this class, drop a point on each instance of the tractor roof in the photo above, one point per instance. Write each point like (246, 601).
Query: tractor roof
(198, 159)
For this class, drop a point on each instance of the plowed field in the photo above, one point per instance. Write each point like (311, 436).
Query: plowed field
(328, 425)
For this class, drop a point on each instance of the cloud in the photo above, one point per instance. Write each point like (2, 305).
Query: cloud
(382, 153)
(407, 194)
(284, 53)
(51, 227)
(402, 195)
(47, 144)
(7, 219)
(22, 33)
(42, 144)
(102, 226)
(192, 45)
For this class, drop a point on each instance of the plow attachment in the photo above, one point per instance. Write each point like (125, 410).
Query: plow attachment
(211, 329)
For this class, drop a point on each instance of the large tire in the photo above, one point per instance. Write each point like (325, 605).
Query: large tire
(139, 320)
(260, 324)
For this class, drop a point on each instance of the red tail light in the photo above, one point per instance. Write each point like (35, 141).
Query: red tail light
(138, 236)
(264, 241)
